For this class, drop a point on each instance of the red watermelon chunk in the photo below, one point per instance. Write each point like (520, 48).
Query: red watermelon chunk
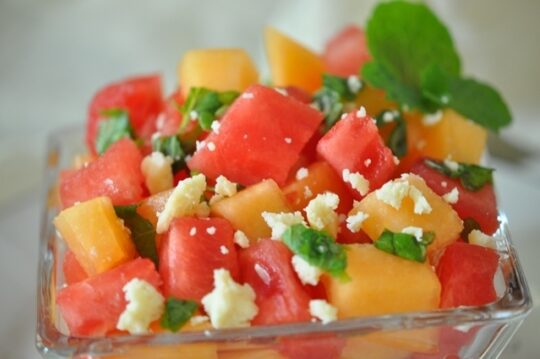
(115, 174)
(466, 272)
(354, 144)
(92, 307)
(140, 96)
(260, 137)
(346, 52)
(325, 346)
(480, 205)
(190, 252)
(266, 267)
(72, 269)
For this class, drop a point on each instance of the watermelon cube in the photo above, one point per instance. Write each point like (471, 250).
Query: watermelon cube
(92, 307)
(346, 52)
(190, 252)
(116, 174)
(260, 137)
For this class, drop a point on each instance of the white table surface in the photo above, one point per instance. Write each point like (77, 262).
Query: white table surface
(54, 54)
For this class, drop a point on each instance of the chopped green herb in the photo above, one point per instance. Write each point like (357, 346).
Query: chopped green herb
(405, 245)
(336, 95)
(170, 146)
(472, 177)
(397, 140)
(469, 225)
(177, 312)
(318, 249)
(416, 63)
(206, 105)
(114, 127)
(142, 231)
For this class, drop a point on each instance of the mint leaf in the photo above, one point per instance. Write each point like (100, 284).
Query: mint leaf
(114, 127)
(172, 147)
(397, 140)
(472, 99)
(177, 312)
(404, 245)
(317, 248)
(472, 177)
(142, 231)
(336, 95)
(206, 105)
(403, 39)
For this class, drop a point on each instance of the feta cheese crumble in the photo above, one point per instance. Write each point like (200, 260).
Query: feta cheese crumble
(361, 113)
(354, 221)
(224, 187)
(241, 239)
(481, 239)
(357, 181)
(262, 273)
(193, 231)
(452, 165)
(229, 304)
(452, 196)
(184, 200)
(211, 230)
(224, 250)
(279, 222)
(354, 84)
(307, 273)
(144, 305)
(430, 119)
(417, 232)
(198, 319)
(301, 173)
(393, 192)
(211, 146)
(215, 126)
(320, 212)
(322, 310)
(367, 162)
(247, 95)
(157, 171)
(288, 140)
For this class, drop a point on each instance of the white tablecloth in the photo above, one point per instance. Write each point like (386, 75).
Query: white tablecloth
(54, 54)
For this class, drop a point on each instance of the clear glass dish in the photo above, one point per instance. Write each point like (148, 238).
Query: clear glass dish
(470, 332)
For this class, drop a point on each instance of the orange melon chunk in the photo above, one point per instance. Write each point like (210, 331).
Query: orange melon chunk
(442, 219)
(244, 209)
(292, 64)
(216, 69)
(95, 235)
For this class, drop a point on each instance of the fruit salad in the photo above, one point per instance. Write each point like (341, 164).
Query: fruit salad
(349, 184)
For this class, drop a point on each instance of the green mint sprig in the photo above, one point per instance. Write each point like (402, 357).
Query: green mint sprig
(397, 140)
(472, 177)
(177, 312)
(172, 147)
(405, 245)
(206, 106)
(115, 126)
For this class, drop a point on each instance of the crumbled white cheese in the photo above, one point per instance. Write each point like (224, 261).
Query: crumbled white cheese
(354, 84)
(396, 160)
(281, 91)
(357, 181)
(307, 192)
(322, 310)
(157, 171)
(452, 165)
(224, 187)
(193, 115)
(417, 232)
(229, 304)
(183, 201)
(224, 250)
(211, 230)
(388, 117)
(361, 113)
(288, 140)
(199, 145)
(241, 239)
(262, 273)
(279, 222)
(215, 126)
(430, 119)
(452, 197)
(211, 146)
(193, 231)
(367, 162)
(247, 95)
(144, 305)
(198, 319)
(354, 222)
(393, 192)
(307, 273)
(320, 211)
(481, 239)
(301, 173)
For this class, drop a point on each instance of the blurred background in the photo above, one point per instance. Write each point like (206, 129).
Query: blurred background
(55, 54)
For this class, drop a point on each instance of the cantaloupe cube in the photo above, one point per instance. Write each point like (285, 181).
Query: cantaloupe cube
(361, 345)
(244, 209)
(95, 235)
(442, 220)
(151, 206)
(453, 136)
(382, 283)
(423, 340)
(216, 69)
(374, 101)
(320, 178)
(292, 64)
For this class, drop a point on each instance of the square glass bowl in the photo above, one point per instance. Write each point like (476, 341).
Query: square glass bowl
(466, 332)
